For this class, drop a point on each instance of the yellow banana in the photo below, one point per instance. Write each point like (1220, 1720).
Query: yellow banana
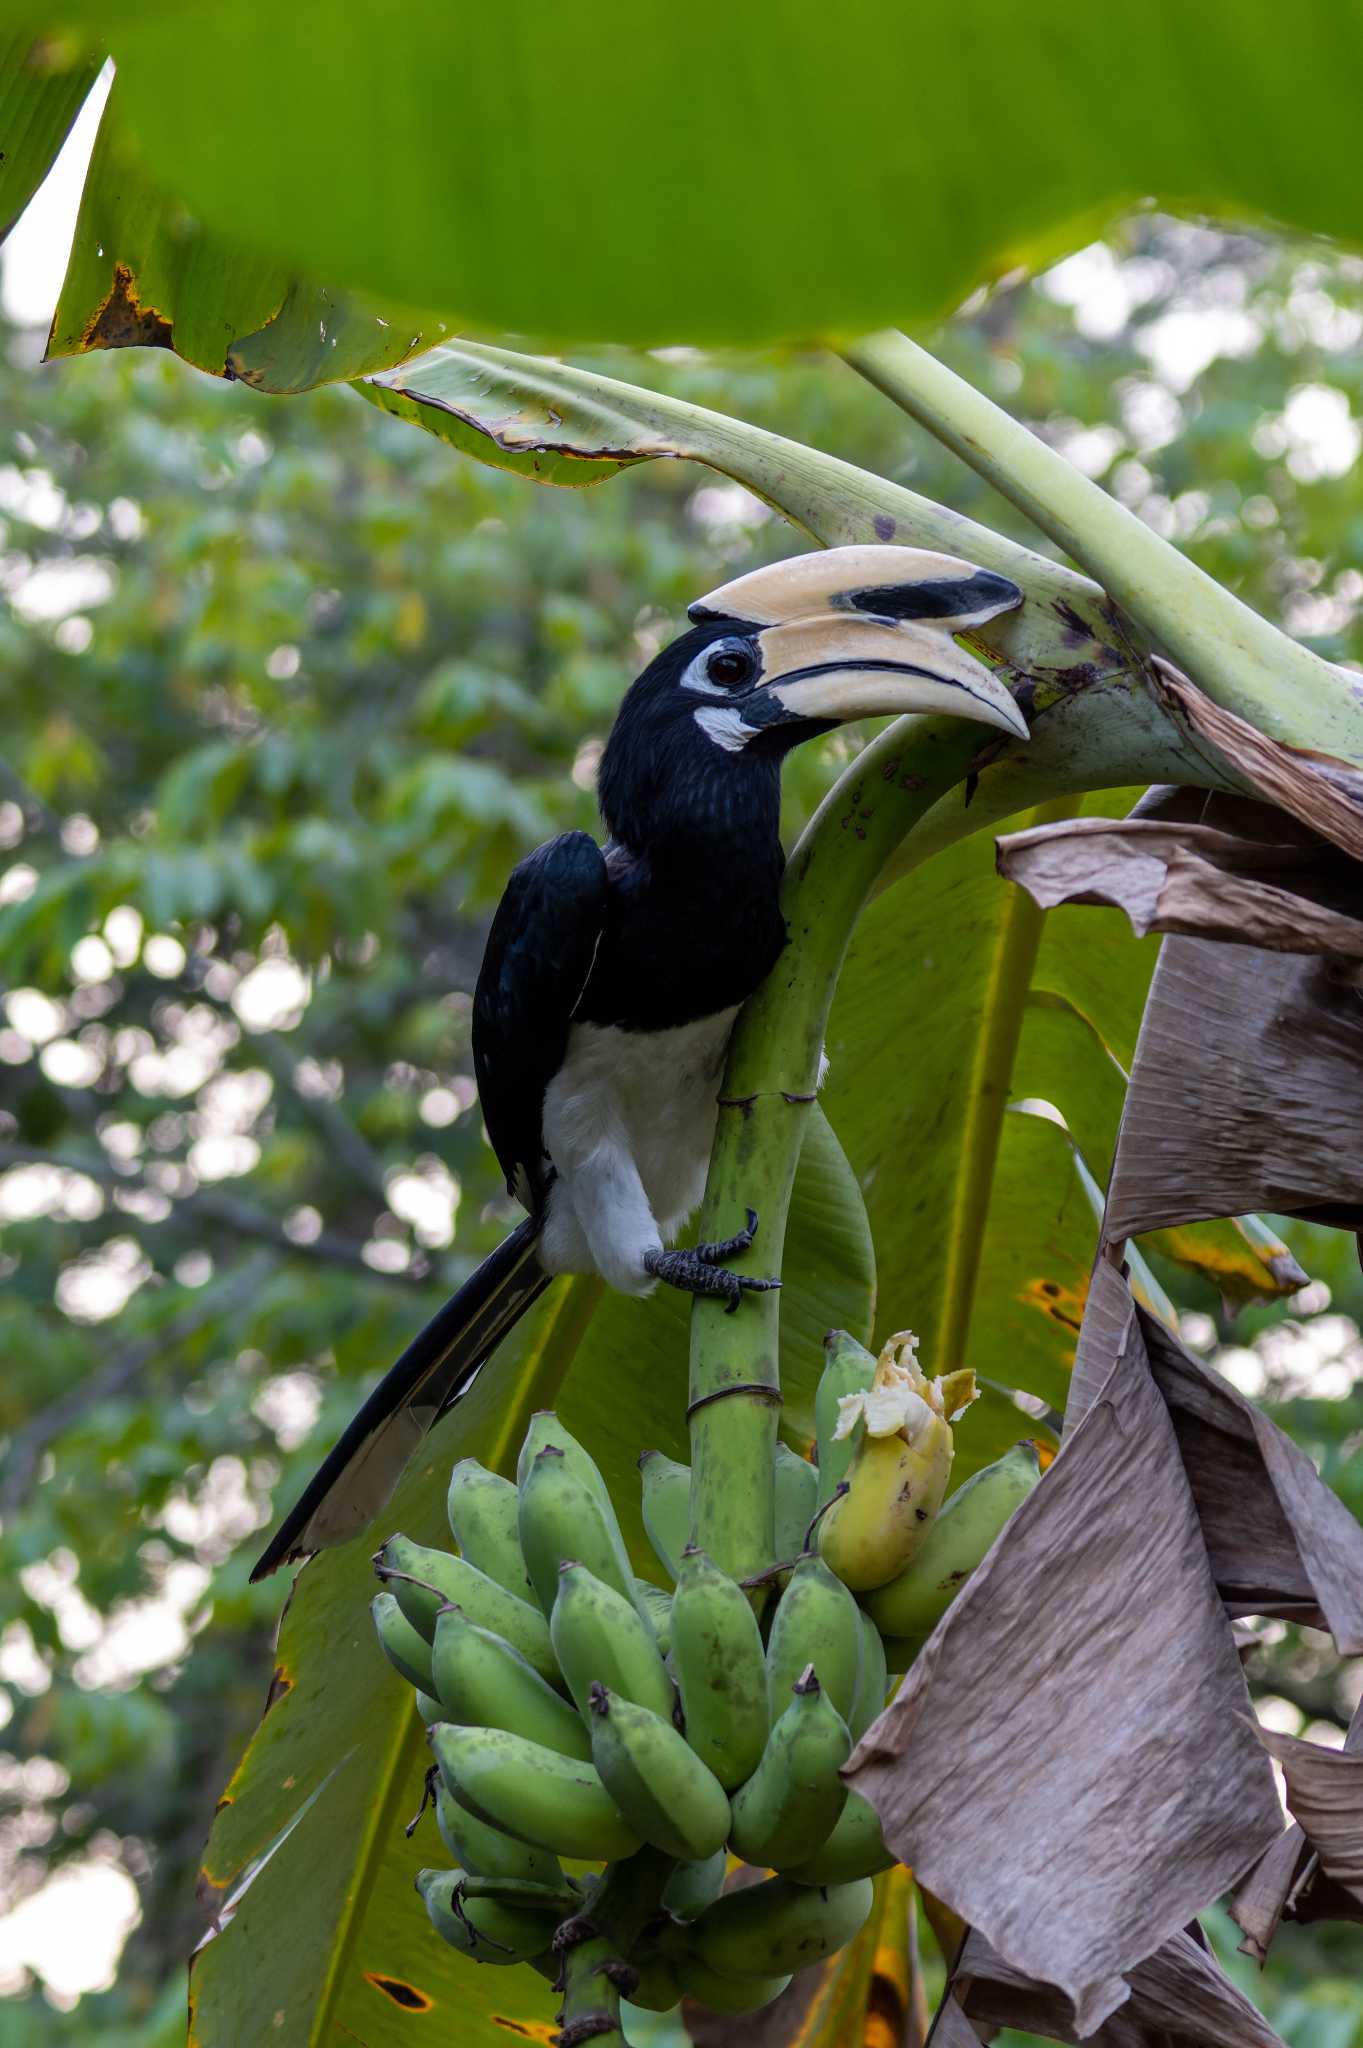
(899, 1472)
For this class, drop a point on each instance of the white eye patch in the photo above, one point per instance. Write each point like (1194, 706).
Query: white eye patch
(694, 677)
(744, 665)
(723, 724)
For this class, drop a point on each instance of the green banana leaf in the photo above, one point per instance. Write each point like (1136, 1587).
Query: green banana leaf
(143, 272)
(41, 94)
(957, 1000)
(329, 1931)
(719, 173)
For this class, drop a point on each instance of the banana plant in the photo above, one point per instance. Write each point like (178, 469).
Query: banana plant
(983, 1245)
(1131, 668)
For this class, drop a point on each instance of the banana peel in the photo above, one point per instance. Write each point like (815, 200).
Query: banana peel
(898, 1476)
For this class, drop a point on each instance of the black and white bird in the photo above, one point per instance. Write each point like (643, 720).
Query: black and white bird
(613, 973)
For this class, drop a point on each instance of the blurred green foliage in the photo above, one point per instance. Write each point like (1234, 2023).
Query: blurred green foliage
(286, 690)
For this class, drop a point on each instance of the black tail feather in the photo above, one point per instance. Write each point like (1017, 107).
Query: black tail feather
(440, 1363)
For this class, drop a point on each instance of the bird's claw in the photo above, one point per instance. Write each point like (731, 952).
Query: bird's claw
(701, 1269)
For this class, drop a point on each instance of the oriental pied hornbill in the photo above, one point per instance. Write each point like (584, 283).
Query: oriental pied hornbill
(613, 974)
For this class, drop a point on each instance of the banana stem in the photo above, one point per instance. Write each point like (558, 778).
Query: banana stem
(1242, 661)
(596, 1946)
(769, 1084)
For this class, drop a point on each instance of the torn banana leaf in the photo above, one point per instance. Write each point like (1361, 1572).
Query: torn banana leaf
(1100, 1669)
(1180, 1997)
(39, 99)
(1279, 1541)
(1325, 1796)
(144, 273)
(1294, 893)
(1288, 1881)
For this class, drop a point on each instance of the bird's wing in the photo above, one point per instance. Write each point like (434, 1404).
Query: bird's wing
(539, 956)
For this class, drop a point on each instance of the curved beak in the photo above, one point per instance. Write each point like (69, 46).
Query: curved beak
(859, 632)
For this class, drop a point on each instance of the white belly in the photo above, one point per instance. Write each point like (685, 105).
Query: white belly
(629, 1120)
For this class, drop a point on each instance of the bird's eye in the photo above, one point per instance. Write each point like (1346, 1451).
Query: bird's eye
(729, 666)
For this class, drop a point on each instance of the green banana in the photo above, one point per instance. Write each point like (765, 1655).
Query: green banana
(694, 1886)
(546, 1432)
(405, 1650)
(425, 1580)
(482, 1506)
(848, 1368)
(856, 1848)
(483, 1928)
(532, 1792)
(966, 1526)
(561, 1521)
(667, 1507)
(655, 1987)
(563, 1897)
(791, 1803)
(486, 1850)
(695, 1979)
(598, 1636)
(429, 1707)
(484, 1683)
(816, 1622)
(720, 1669)
(658, 1610)
(777, 1926)
(797, 1496)
(873, 1680)
(898, 1476)
(656, 1779)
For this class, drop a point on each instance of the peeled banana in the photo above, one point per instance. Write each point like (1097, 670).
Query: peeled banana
(899, 1470)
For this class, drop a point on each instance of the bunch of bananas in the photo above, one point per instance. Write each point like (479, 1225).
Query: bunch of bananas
(577, 1711)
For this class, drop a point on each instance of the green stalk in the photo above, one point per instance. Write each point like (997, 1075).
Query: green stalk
(600, 1940)
(769, 1085)
(1241, 660)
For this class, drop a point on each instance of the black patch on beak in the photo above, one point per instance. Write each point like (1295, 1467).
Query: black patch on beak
(957, 597)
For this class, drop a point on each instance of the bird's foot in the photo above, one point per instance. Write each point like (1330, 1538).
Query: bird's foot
(701, 1270)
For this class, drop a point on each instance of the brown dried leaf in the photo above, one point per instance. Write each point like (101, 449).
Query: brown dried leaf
(1325, 1794)
(1324, 793)
(1246, 1092)
(1288, 1882)
(1070, 1763)
(1263, 1897)
(951, 2028)
(1179, 1995)
(1289, 896)
(1279, 1540)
